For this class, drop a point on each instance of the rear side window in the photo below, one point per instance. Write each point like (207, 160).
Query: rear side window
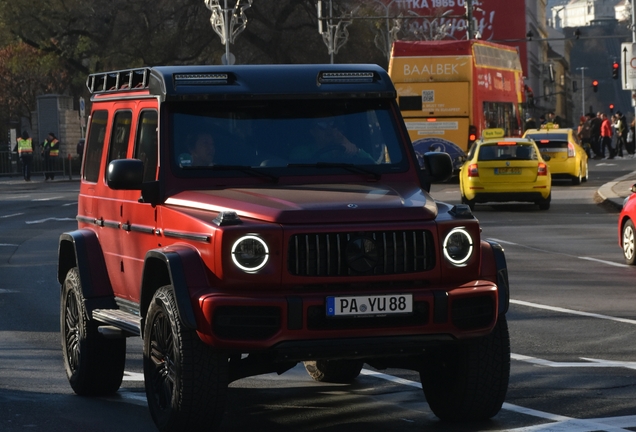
(95, 145)
(146, 143)
(120, 136)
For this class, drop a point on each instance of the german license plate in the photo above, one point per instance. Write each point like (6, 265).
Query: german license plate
(507, 171)
(372, 305)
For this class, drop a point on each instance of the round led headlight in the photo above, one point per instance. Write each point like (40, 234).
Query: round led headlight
(250, 253)
(458, 246)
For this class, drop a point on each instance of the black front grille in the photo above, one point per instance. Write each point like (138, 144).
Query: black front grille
(317, 319)
(360, 253)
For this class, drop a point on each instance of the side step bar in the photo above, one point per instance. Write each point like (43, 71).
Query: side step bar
(116, 319)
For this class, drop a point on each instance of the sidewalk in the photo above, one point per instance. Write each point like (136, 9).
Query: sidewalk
(614, 193)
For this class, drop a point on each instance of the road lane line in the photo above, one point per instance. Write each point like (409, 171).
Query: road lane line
(11, 215)
(605, 262)
(49, 219)
(47, 199)
(572, 312)
(8, 245)
(588, 363)
(611, 263)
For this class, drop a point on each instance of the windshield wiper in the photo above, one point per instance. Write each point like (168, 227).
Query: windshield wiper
(348, 166)
(242, 168)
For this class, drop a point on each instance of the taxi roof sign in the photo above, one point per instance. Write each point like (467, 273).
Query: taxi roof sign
(548, 126)
(493, 133)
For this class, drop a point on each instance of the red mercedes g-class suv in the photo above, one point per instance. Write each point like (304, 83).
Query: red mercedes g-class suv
(242, 219)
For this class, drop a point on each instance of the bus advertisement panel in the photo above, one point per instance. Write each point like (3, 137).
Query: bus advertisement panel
(449, 91)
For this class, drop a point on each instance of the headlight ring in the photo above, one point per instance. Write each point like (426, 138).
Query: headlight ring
(250, 253)
(458, 246)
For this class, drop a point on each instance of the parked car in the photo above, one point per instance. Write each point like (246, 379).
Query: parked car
(568, 159)
(242, 219)
(501, 169)
(626, 230)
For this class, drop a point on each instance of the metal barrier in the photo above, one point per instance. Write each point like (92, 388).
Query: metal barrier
(10, 165)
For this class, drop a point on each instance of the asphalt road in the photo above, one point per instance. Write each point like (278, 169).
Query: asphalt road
(572, 322)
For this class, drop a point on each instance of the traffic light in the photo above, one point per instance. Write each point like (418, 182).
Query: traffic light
(595, 85)
(611, 107)
(615, 67)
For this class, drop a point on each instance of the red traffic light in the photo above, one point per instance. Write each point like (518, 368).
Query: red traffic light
(611, 106)
(595, 85)
(615, 67)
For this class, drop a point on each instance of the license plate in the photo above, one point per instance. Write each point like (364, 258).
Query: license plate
(507, 171)
(373, 305)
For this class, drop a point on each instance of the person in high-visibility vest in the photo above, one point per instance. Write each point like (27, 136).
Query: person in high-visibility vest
(25, 152)
(50, 151)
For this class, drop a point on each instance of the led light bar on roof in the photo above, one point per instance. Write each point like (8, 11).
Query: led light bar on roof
(129, 79)
(201, 79)
(346, 77)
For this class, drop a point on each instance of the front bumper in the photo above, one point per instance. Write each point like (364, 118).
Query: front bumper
(295, 325)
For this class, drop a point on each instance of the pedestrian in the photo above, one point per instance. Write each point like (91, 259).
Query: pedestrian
(624, 130)
(606, 137)
(530, 124)
(25, 152)
(595, 134)
(585, 134)
(80, 148)
(629, 144)
(50, 151)
(619, 129)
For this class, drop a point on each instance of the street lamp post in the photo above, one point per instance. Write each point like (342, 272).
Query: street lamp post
(582, 69)
(334, 35)
(228, 23)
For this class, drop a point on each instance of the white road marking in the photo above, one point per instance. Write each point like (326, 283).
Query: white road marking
(588, 363)
(69, 204)
(605, 262)
(47, 199)
(11, 215)
(572, 312)
(49, 219)
(8, 245)
(7, 291)
(133, 376)
(560, 253)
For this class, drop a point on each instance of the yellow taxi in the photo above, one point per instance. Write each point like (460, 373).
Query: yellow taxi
(568, 159)
(500, 169)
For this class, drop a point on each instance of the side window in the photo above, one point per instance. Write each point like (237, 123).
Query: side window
(120, 135)
(146, 143)
(95, 145)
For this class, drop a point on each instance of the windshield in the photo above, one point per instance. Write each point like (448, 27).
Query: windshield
(286, 137)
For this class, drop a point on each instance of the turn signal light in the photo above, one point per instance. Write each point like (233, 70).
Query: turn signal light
(571, 150)
(473, 171)
(542, 170)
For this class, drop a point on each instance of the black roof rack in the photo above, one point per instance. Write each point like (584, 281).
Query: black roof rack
(117, 81)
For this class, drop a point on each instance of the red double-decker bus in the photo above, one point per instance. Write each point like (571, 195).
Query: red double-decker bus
(450, 91)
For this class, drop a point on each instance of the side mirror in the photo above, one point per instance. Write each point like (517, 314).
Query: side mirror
(438, 166)
(125, 174)
(633, 189)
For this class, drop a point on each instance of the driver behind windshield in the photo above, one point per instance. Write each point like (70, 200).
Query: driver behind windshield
(329, 144)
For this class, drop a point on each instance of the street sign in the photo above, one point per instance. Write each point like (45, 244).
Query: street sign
(628, 65)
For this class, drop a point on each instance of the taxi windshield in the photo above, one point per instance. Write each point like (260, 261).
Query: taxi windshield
(509, 151)
(286, 137)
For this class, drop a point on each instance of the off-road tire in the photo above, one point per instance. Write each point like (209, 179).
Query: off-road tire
(94, 365)
(334, 371)
(469, 381)
(186, 380)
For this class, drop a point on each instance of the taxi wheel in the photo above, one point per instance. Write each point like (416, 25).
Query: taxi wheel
(334, 371)
(468, 381)
(469, 203)
(545, 204)
(576, 180)
(629, 243)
